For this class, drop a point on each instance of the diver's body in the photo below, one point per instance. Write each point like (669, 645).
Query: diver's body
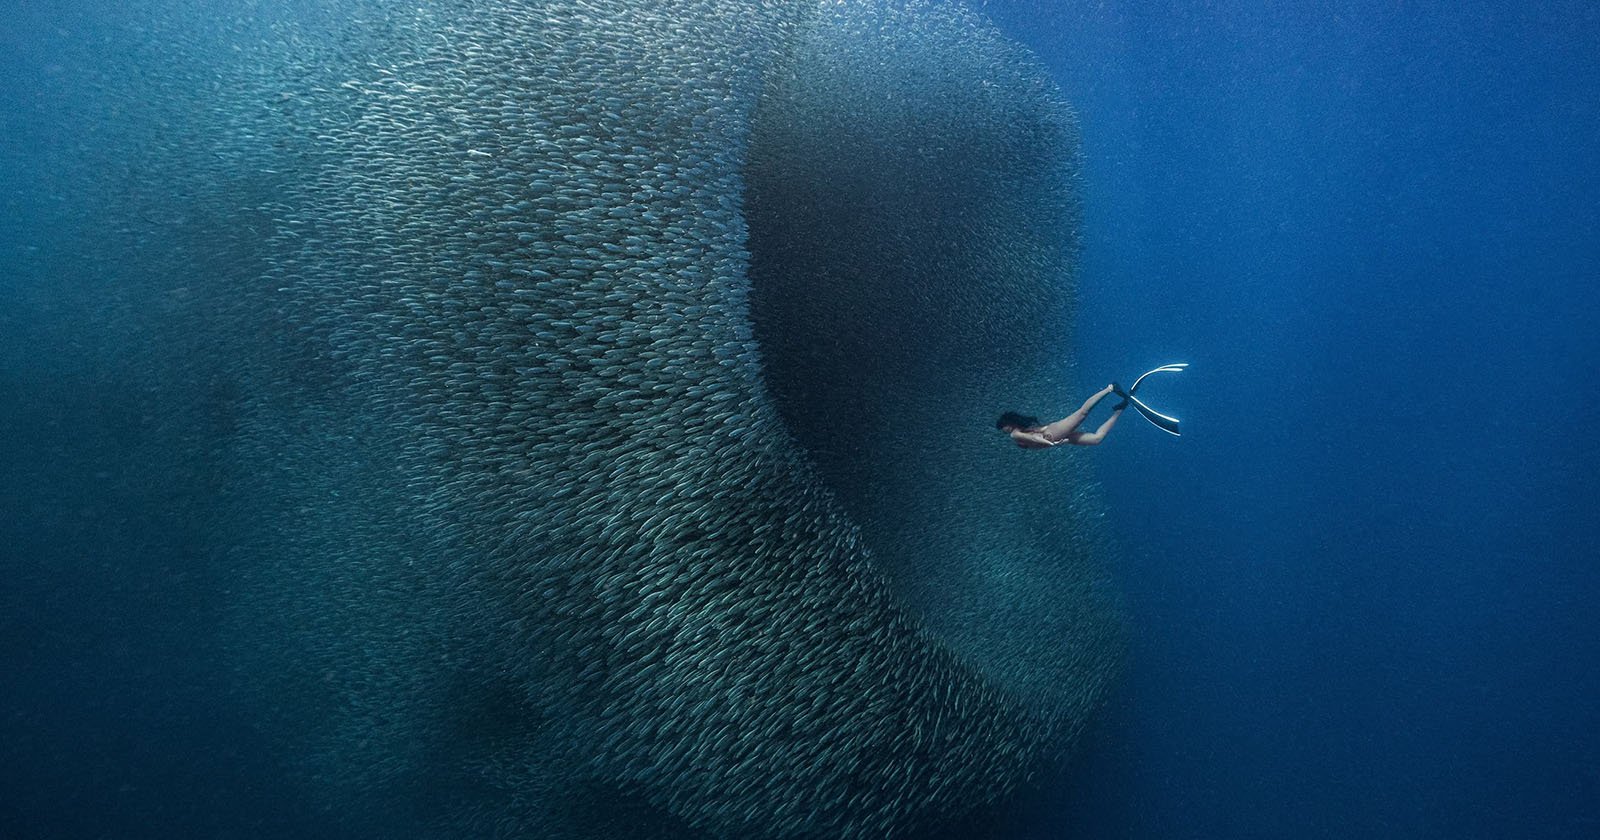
(1029, 435)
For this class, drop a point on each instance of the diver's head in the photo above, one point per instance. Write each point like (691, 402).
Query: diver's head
(1012, 420)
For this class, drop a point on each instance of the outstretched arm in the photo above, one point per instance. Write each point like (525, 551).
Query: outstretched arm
(1061, 429)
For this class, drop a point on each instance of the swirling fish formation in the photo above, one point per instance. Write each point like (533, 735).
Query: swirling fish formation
(624, 468)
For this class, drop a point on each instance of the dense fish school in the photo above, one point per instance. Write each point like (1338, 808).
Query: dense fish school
(611, 383)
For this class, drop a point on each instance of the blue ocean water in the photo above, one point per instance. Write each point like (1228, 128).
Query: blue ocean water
(1361, 587)
(1363, 582)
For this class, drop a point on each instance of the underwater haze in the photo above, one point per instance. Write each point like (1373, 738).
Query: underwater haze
(1362, 584)
(575, 419)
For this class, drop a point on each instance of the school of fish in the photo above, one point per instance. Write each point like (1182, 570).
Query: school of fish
(614, 454)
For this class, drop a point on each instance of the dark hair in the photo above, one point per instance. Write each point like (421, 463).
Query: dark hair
(1015, 420)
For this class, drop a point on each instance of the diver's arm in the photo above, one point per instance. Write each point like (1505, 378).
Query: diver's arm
(1058, 431)
(1031, 439)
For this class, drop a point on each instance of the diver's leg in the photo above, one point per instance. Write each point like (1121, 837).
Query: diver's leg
(1094, 437)
(1067, 425)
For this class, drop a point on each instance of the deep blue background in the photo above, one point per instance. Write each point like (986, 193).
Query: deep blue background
(1364, 585)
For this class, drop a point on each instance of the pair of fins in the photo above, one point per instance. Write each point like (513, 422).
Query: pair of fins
(1156, 418)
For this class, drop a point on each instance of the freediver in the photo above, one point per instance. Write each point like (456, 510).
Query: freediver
(1030, 434)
